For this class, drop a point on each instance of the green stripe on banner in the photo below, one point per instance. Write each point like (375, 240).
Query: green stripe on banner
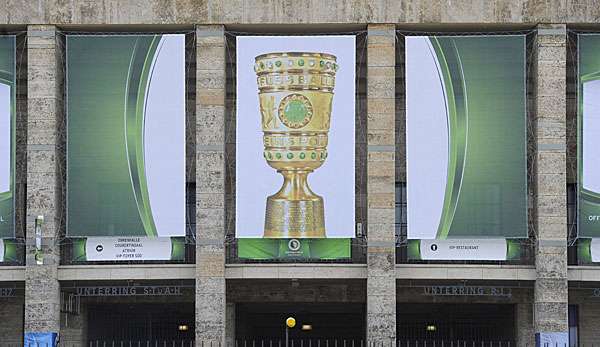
(514, 249)
(10, 250)
(177, 248)
(79, 250)
(294, 248)
(584, 250)
(414, 249)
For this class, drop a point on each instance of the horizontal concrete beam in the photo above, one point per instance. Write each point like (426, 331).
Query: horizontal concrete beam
(289, 271)
(465, 272)
(126, 272)
(300, 271)
(318, 271)
(584, 273)
(12, 273)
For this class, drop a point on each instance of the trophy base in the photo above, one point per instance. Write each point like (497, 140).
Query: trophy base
(294, 218)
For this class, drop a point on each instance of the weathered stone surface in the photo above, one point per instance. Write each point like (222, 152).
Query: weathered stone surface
(210, 178)
(381, 307)
(11, 316)
(42, 313)
(551, 294)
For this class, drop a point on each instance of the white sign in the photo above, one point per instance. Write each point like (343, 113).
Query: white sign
(463, 249)
(128, 248)
(255, 179)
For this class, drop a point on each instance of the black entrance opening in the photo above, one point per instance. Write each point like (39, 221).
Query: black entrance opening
(141, 322)
(321, 321)
(456, 322)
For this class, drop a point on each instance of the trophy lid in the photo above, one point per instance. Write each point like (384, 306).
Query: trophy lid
(296, 61)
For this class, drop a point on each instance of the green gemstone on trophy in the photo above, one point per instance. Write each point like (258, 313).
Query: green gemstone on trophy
(301, 62)
(302, 155)
(313, 155)
(270, 156)
(278, 63)
(290, 156)
(262, 65)
(322, 63)
(295, 111)
(278, 155)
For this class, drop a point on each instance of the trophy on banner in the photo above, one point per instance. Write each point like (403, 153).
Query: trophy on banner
(295, 93)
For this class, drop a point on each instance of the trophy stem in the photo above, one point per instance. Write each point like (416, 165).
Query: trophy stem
(295, 211)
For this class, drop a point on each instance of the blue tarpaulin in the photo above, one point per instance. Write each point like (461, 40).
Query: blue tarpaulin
(41, 339)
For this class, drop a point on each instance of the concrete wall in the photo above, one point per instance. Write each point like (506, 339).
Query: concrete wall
(295, 12)
(11, 316)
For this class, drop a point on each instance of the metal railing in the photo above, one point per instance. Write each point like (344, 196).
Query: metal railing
(331, 342)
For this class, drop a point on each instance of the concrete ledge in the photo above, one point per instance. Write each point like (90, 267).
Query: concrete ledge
(126, 272)
(465, 272)
(584, 273)
(300, 271)
(289, 271)
(12, 273)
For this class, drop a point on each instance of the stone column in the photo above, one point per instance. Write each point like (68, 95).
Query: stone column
(230, 325)
(524, 324)
(551, 286)
(44, 104)
(381, 278)
(210, 184)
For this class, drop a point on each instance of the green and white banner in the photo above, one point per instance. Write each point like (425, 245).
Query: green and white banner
(7, 136)
(465, 249)
(126, 136)
(588, 144)
(129, 248)
(588, 95)
(466, 144)
(265, 249)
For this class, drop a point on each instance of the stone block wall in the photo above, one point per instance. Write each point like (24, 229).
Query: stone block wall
(11, 316)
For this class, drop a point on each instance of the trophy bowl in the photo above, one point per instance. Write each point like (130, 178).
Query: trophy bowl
(295, 94)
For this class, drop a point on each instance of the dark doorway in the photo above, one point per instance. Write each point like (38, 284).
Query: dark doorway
(456, 322)
(327, 321)
(141, 322)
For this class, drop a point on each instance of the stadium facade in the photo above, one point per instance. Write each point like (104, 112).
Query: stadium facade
(214, 285)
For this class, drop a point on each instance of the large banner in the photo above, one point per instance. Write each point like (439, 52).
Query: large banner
(466, 145)
(295, 146)
(7, 136)
(126, 137)
(588, 144)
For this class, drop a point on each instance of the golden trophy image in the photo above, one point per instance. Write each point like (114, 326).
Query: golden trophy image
(295, 94)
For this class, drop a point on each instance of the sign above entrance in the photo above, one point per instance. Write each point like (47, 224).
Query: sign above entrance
(129, 291)
(8, 292)
(462, 290)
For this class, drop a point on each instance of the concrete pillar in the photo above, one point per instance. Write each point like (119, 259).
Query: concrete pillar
(44, 94)
(210, 184)
(381, 279)
(230, 324)
(551, 287)
(524, 324)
